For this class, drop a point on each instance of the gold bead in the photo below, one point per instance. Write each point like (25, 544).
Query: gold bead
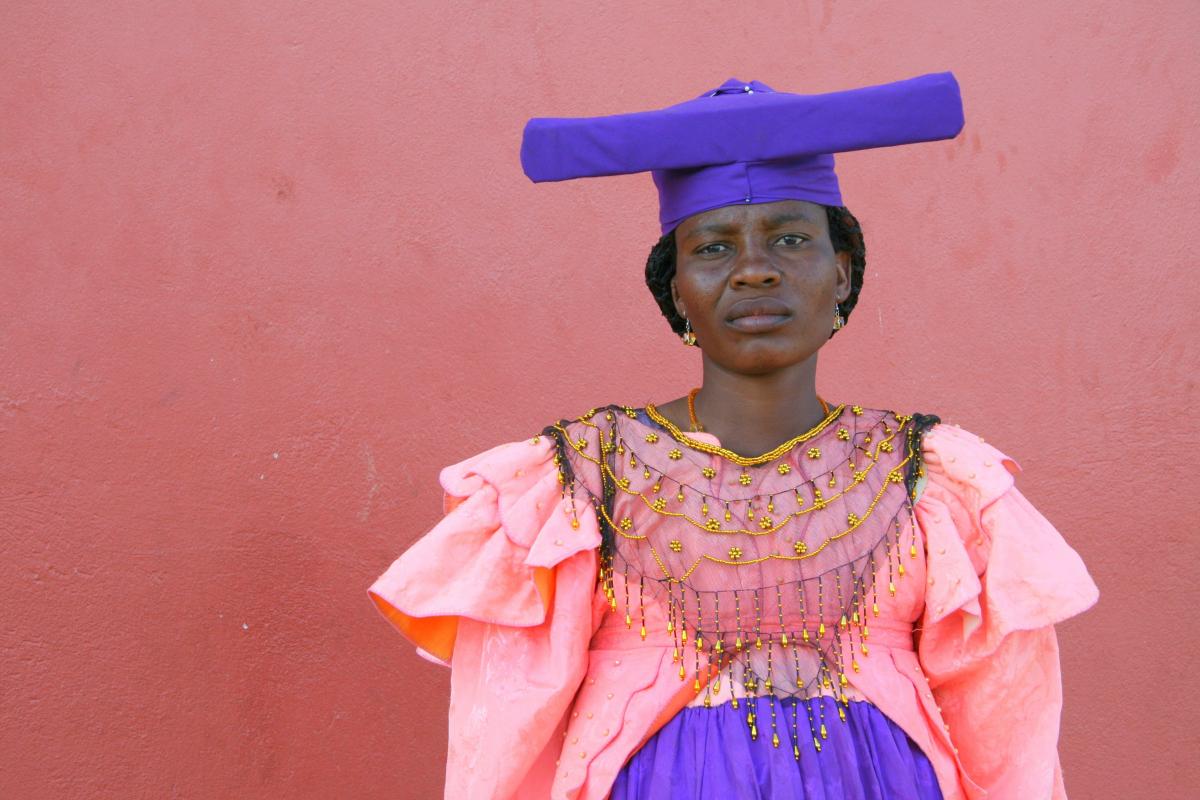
(783, 469)
(651, 437)
(708, 472)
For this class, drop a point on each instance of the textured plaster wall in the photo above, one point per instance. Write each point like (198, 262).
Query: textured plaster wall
(266, 267)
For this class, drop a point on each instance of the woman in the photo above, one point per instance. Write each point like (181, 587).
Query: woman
(747, 592)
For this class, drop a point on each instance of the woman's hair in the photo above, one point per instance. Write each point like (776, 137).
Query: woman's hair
(844, 232)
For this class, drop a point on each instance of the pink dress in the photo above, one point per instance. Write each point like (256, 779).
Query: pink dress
(590, 583)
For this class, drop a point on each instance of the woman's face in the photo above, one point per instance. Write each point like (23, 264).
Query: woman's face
(759, 283)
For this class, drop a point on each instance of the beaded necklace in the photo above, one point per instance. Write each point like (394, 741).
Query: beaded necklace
(763, 569)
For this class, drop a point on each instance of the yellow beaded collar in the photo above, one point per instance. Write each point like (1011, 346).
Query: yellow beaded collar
(741, 461)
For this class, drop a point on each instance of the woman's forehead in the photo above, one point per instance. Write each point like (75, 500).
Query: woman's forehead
(756, 215)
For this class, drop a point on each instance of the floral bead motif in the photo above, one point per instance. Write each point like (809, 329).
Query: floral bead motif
(652, 437)
(675, 545)
(735, 553)
(814, 452)
(708, 472)
(800, 547)
(744, 479)
(675, 454)
(783, 469)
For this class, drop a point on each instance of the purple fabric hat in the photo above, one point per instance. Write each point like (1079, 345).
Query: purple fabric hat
(743, 142)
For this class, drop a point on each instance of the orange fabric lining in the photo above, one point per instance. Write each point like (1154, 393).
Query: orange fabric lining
(436, 635)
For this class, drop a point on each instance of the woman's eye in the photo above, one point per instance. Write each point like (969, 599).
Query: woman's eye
(710, 249)
(792, 239)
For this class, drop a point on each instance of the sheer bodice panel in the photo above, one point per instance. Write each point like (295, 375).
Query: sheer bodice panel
(768, 570)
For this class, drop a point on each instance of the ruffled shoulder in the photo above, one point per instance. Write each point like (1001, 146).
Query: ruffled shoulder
(490, 558)
(992, 556)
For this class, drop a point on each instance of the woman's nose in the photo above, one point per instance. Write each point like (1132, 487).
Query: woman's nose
(754, 267)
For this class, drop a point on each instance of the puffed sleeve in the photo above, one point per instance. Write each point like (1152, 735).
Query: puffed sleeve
(1000, 576)
(502, 588)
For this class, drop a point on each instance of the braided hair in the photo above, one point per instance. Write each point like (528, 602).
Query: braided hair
(844, 232)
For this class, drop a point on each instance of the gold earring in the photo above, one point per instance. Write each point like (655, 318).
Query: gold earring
(839, 321)
(688, 337)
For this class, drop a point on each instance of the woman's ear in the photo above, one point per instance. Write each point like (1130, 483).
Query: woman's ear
(842, 290)
(679, 306)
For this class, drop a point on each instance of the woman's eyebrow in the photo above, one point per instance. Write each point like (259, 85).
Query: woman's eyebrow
(780, 220)
(719, 228)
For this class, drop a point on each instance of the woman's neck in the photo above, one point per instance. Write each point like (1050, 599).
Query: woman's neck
(751, 414)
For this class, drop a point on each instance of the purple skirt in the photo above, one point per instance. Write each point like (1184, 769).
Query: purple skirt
(708, 753)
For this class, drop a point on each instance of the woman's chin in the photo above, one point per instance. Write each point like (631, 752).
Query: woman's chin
(762, 355)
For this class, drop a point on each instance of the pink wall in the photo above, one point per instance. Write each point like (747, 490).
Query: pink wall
(266, 267)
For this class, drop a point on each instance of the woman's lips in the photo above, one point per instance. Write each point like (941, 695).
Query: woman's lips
(758, 314)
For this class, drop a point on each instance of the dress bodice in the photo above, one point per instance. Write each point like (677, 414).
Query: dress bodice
(765, 572)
